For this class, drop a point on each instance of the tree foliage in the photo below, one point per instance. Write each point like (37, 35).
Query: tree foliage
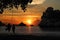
(10, 3)
(50, 18)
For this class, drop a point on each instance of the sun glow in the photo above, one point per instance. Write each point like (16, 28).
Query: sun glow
(29, 22)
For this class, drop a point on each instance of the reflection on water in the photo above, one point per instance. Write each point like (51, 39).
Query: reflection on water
(29, 29)
(22, 30)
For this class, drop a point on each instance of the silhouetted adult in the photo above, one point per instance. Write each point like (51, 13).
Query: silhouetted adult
(8, 27)
(13, 28)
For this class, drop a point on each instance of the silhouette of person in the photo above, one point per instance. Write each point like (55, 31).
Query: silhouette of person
(8, 27)
(13, 28)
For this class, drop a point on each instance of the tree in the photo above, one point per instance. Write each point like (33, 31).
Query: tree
(22, 24)
(10, 3)
(50, 18)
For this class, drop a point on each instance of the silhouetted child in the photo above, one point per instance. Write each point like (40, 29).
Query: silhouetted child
(8, 27)
(13, 28)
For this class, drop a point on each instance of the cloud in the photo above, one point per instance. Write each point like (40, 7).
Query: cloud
(37, 2)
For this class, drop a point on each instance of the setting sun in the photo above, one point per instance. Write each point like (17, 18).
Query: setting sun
(29, 22)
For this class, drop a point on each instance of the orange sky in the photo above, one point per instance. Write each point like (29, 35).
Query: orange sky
(17, 16)
(19, 19)
(33, 12)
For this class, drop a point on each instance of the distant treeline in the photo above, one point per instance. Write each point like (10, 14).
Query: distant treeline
(20, 24)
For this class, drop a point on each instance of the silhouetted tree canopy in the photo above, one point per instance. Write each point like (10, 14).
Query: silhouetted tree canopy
(50, 18)
(21, 24)
(10, 3)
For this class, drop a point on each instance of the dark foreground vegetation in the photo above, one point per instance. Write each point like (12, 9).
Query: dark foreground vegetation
(27, 37)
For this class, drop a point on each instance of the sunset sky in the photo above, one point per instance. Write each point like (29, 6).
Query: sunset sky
(33, 13)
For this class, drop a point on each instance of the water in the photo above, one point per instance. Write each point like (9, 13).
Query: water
(22, 30)
(35, 30)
